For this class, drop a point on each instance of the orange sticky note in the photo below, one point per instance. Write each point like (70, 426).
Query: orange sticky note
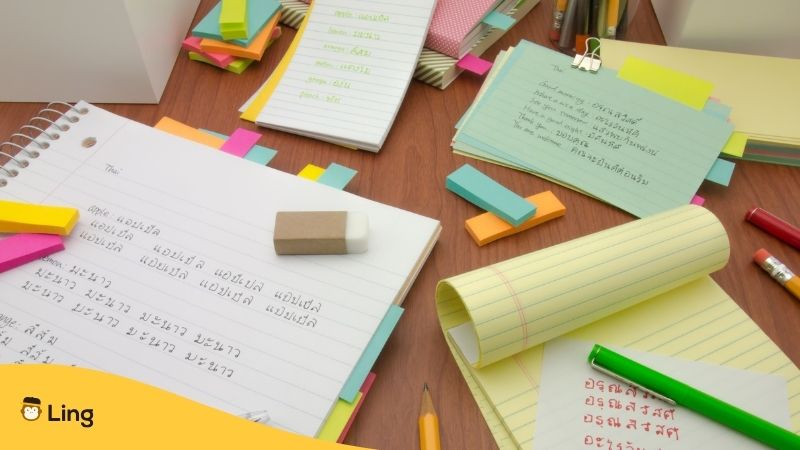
(487, 227)
(253, 51)
(172, 126)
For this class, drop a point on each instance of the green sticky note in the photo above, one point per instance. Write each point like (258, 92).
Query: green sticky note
(258, 14)
(237, 66)
(721, 172)
(233, 19)
(477, 188)
(736, 144)
(595, 133)
(498, 20)
(679, 86)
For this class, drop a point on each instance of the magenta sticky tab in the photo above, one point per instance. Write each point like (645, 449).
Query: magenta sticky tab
(472, 63)
(697, 200)
(23, 248)
(240, 142)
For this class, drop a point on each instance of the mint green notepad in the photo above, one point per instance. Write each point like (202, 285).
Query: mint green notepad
(258, 14)
(595, 133)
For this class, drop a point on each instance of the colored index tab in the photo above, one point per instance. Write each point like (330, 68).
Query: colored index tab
(233, 19)
(484, 192)
(697, 200)
(23, 248)
(721, 172)
(18, 217)
(678, 86)
(715, 108)
(311, 172)
(498, 20)
(736, 144)
(240, 142)
(337, 176)
(176, 128)
(472, 63)
(364, 391)
(487, 227)
(260, 155)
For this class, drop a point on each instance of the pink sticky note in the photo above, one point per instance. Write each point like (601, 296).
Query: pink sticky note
(22, 248)
(192, 44)
(474, 64)
(697, 200)
(240, 142)
(364, 390)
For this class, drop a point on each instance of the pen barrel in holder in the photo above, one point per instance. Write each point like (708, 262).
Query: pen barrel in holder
(522, 302)
(686, 396)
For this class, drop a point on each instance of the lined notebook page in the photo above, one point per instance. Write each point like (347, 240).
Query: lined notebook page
(616, 141)
(351, 70)
(170, 276)
(694, 321)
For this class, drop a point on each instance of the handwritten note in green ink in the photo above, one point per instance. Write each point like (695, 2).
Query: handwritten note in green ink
(596, 133)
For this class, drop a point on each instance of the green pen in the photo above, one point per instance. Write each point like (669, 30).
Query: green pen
(678, 393)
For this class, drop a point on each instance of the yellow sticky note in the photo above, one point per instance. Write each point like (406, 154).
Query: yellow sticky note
(678, 86)
(256, 48)
(311, 172)
(487, 227)
(237, 66)
(29, 218)
(337, 420)
(735, 145)
(172, 126)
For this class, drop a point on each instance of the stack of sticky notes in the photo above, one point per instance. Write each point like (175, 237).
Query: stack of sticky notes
(39, 230)
(235, 33)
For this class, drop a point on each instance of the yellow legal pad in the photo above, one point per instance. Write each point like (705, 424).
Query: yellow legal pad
(29, 218)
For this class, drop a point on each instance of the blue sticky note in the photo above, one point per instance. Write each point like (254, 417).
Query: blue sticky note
(258, 14)
(337, 176)
(261, 155)
(721, 172)
(498, 20)
(482, 191)
(717, 109)
(370, 355)
(257, 154)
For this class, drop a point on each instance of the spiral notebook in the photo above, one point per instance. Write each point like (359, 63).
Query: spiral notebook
(170, 277)
(644, 285)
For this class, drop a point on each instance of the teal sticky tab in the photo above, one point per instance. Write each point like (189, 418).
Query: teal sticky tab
(370, 355)
(257, 154)
(721, 172)
(717, 109)
(260, 154)
(337, 176)
(477, 188)
(258, 14)
(498, 20)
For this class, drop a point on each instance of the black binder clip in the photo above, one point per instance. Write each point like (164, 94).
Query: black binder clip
(589, 60)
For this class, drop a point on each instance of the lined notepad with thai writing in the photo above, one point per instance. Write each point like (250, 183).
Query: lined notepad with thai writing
(350, 71)
(170, 276)
(642, 285)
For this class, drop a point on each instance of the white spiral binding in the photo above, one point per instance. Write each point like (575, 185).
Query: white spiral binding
(17, 158)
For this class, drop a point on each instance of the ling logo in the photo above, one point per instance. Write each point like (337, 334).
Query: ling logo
(32, 410)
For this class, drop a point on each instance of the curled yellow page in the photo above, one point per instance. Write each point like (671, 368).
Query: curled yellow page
(520, 303)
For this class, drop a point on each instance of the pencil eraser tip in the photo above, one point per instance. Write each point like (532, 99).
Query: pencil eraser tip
(760, 256)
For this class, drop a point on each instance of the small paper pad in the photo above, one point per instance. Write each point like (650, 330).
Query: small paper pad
(477, 188)
(23, 248)
(256, 48)
(487, 227)
(18, 217)
(259, 12)
(233, 19)
(237, 66)
(221, 60)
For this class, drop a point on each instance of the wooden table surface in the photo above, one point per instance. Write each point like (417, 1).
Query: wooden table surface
(409, 173)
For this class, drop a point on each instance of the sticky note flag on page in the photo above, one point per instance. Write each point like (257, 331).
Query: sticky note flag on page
(24, 248)
(18, 217)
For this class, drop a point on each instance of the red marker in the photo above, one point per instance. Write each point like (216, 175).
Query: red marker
(775, 226)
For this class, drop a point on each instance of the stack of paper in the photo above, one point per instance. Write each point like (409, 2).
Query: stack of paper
(435, 67)
(208, 41)
(346, 73)
(595, 133)
(761, 90)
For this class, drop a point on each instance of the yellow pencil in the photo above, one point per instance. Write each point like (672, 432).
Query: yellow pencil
(428, 423)
(611, 19)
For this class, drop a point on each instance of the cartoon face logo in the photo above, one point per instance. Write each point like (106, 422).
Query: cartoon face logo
(31, 408)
